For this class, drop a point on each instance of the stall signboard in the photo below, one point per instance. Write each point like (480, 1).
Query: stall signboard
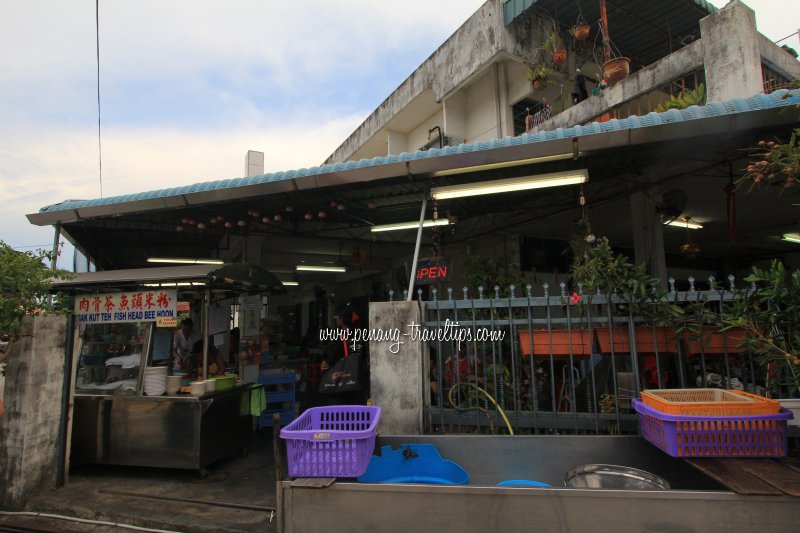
(433, 270)
(137, 306)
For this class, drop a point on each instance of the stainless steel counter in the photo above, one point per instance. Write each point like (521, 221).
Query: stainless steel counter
(161, 431)
(695, 503)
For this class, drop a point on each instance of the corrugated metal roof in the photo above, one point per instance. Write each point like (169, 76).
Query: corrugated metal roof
(776, 99)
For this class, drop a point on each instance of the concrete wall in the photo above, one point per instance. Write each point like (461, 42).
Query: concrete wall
(30, 429)
(731, 53)
(396, 377)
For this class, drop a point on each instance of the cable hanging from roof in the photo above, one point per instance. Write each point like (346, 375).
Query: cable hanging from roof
(99, 145)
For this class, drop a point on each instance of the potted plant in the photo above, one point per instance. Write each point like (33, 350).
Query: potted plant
(770, 319)
(553, 44)
(538, 75)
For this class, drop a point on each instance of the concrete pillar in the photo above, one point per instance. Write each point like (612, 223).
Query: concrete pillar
(30, 431)
(731, 53)
(648, 237)
(396, 371)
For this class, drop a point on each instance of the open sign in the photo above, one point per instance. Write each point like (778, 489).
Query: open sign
(433, 270)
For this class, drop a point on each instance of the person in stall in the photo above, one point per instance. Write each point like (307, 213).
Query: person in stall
(182, 345)
(215, 366)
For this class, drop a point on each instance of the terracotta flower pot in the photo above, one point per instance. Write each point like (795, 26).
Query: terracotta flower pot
(559, 57)
(539, 342)
(715, 343)
(648, 340)
(581, 32)
(616, 70)
(538, 84)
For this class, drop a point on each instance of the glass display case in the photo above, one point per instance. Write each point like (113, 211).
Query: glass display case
(111, 356)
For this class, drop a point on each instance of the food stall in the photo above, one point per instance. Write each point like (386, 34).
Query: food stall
(125, 321)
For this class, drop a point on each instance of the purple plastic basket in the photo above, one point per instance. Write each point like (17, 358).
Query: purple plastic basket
(335, 441)
(714, 436)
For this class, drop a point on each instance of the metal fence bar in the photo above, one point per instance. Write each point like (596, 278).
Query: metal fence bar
(536, 395)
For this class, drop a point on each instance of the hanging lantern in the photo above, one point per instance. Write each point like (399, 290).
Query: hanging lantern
(192, 222)
(308, 216)
(220, 218)
(241, 223)
(277, 218)
(357, 258)
(334, 203)
(266, 220)
(289, 209)
(184, 221)
(256, 214)
(371, 205)
(322, 214)
(213, 220)
(689, 250)
(229, 225)
(340, 207)
(200, 225)
(179, 229)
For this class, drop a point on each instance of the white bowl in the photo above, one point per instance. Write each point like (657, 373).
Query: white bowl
(198, 388)
(172, 385)
(211, 385)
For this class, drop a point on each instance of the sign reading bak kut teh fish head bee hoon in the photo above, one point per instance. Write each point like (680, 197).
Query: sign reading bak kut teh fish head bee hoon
(137, 306)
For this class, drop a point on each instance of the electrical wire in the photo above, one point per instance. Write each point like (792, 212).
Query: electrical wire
(85, 521)
(99, 145)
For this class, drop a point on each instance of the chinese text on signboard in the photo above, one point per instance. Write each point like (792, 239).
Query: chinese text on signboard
(126, 306)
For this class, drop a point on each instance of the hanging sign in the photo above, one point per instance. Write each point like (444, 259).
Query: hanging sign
(136, 306)
(432, 270)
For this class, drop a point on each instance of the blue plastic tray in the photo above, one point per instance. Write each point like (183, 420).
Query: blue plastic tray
(413, 463)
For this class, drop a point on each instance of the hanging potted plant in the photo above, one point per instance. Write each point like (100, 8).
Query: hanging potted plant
(614, 66)
(553, 44)
(538, 75)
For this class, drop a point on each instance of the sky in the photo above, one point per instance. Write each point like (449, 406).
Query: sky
(188, 86)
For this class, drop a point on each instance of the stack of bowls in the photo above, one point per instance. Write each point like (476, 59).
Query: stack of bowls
(155, 380)
(173, 384)
(211, 385)
(198, 388)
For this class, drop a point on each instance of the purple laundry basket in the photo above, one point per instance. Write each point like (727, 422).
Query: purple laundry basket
(335, 441)
(714, 436)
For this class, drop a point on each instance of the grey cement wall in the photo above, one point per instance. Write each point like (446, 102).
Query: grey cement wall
(29, 431)
(731, 53)
(396, 379)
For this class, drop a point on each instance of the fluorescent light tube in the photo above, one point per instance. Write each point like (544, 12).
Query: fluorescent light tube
(684, 224)
(554, 179)
(289, 283)
(185, 261)
(313, 268)
(410, 225)
(506, 164)
(792, 237)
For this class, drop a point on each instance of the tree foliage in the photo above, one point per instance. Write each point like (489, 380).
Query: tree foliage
(25, 284)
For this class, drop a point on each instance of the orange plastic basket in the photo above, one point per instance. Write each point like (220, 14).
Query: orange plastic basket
(709, 402)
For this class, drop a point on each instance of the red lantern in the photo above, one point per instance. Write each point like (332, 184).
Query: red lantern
(289, 209)
(277, 218)
(266, 220)
(179, 229)
(228, 225)
(340, 207)
(242, 223)
(308, 216)
(200, 225)
(322, 214)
